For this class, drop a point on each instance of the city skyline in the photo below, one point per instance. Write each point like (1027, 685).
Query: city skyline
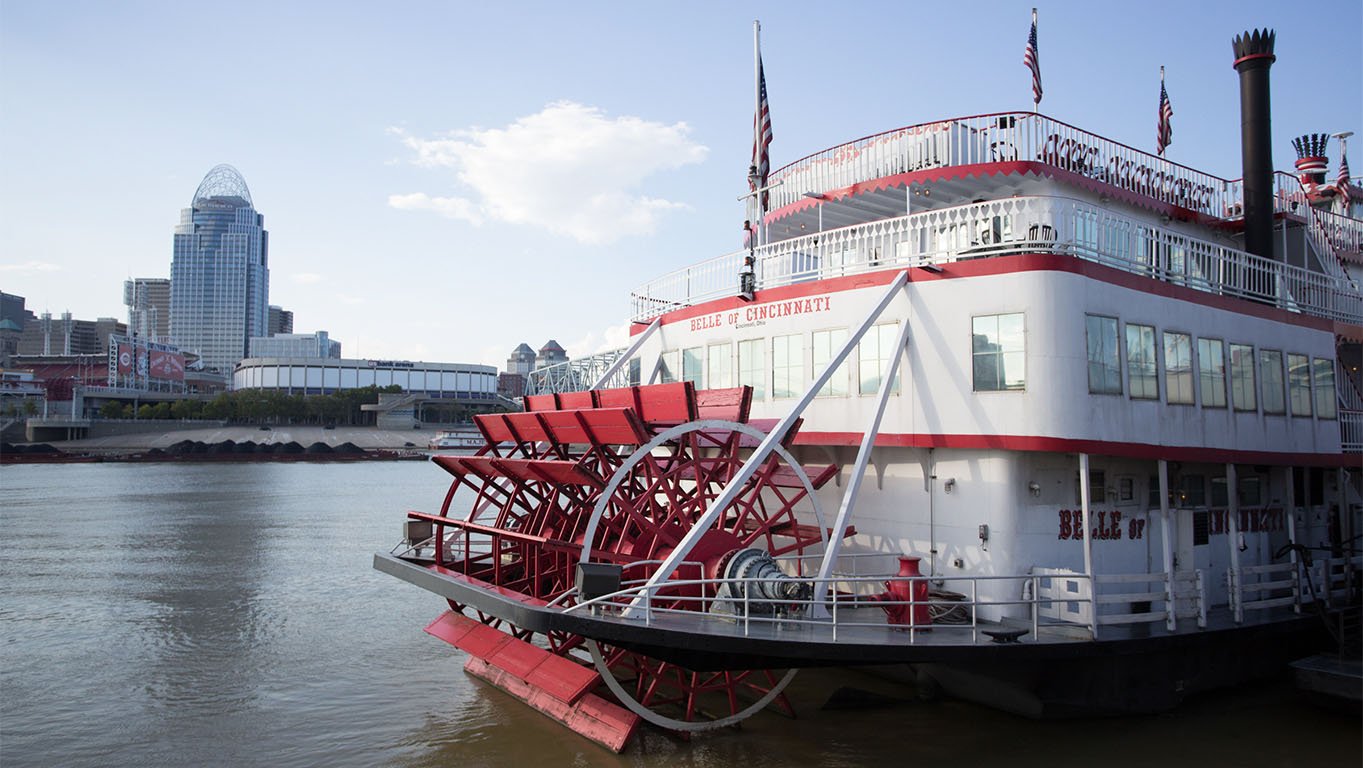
(422, 182)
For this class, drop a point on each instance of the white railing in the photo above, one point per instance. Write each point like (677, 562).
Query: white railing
(1257, 587)
(1289, 196)
(1001, 137)
(854, 603)
(1335, 578)
(1118, 597)
(1190, 596)
(1010, 226)
(1351, 431)
(578, 374)
(1342, 232)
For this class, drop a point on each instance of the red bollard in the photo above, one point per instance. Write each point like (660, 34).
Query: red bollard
(909, 598)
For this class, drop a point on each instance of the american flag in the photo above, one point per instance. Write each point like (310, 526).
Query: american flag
(761, 143)
(1342, 182)
(1165, 132)
(1029, 58)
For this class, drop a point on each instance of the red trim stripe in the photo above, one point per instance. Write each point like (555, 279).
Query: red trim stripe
(1094, 447)
(1005, 265)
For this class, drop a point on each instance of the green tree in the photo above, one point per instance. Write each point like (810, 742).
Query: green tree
(112, 409)
(161, 411)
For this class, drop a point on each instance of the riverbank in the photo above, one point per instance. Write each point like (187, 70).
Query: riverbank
(234, 443)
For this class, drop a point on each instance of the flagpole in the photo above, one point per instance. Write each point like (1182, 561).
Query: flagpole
(757, 119)
(1161, 108)
(1035, 103)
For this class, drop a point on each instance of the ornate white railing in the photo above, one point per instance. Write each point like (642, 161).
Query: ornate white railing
(1001, 137)
(1011, 226)
(1342, 232)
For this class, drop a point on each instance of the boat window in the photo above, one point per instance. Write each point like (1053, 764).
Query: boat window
(825, 345)
(1211, 362)
(691, 367)
(787, 365)
(1299, 384)
(752, 369)
(1104, 357)
(1251, 491)
(635, 369)
(1242, 389)
(1219, 499)
(721, 361)
(998, 346)
(1192, 491)
(1097, 487)
(1324, 373)
(1178, 367)
(668, 367)
(1142, 378)
(1271, 375)
(873, 352)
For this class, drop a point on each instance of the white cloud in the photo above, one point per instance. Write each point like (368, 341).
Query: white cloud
(346, 298)
(306, 278)
(613, 337)
(569, 169)
(30, 267)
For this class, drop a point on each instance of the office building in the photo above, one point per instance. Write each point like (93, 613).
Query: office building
(281, 321)
(219, 273)
(310, 345)
(148, 303)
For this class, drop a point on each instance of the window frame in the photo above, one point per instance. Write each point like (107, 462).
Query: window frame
(1110, 369)
(1021, 353)
(1238, 387)
(1153, 364)
(1169, 372)
(1205, 376)
(842, 374)
(1281, 389)
(1325, 397)
(792, 381)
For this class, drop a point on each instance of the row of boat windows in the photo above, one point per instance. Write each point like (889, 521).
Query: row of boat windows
(1193, 369)
(719, 366)
(1205, 370)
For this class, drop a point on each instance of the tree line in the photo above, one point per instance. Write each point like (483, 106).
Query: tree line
(262, 406)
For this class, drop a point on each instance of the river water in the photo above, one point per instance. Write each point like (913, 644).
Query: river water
(228, 614)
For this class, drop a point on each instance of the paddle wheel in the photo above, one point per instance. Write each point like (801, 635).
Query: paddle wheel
(617, 477)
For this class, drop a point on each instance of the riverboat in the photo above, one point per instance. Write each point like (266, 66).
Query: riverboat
(449, 439)
(1040, 418)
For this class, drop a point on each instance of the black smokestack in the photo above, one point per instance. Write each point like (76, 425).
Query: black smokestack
(1253, 57)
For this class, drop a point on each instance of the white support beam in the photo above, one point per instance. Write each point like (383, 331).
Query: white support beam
(1290, 510)
(1168, 546)
(849, 496)
(1233, 526)
(763, 450)
(629, 354)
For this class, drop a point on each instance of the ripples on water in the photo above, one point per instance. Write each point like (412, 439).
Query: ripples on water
(182, 614)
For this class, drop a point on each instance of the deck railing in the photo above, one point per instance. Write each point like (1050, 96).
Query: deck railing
(1342, 232)
(1290, 197)
(1001, 137)
(1010, 226)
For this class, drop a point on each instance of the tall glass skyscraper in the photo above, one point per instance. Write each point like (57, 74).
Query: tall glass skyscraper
(219, 274)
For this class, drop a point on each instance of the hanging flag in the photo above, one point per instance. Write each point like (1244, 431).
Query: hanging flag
(1342, 182)
(1029, 58)
(761, 145)
(1165, 132)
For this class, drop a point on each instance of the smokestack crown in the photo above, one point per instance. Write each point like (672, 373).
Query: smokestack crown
(1253, 46)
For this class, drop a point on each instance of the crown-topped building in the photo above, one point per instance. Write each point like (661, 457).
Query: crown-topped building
(219, 274)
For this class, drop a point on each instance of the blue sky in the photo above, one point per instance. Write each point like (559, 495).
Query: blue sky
(444, 180)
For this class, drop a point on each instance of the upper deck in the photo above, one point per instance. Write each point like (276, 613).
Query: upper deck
(1009, 183)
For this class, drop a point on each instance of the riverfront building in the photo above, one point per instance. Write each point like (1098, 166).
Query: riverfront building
(219, 274)
(148, 303)
(315, 376)
(296, 345)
